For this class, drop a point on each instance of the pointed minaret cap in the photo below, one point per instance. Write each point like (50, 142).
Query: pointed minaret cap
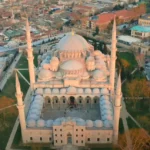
(118, 90)
(18, 89)
(114, 23)
(72, 32)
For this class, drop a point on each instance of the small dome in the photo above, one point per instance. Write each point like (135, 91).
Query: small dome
(80, 122)
(108, 124)
(88, 91)
(85, 75)
(57, 122)
(89, 123)
(99, 75)
(31, 123)
(49, 123)
(104, 91)
(107, 117)
(40, 123)
(72, 43)
(38, 97)
(98, 123)
(33, 116)
(59, 75)
(98, 53)
(47, 91)
(63, 91)
(39, 91)
(104, 97)
(34, 111)
(37, 106)
(96, 91)
(71, 89)
(45, 74)
(80, 91)
(55, 91)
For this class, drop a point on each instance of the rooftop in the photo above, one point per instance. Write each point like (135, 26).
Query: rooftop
(146, 17)
(141, 28)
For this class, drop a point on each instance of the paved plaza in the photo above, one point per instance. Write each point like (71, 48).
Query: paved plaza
(87, 113)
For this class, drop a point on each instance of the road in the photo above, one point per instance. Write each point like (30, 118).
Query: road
(13, 65)
(9, 71)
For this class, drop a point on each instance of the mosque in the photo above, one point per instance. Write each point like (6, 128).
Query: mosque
(75, 94)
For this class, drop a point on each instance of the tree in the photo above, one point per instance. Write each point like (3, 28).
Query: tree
(137, 89)
(139, 137)
(125, 63)
(97, 30)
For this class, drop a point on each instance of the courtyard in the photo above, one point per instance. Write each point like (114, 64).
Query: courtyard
(87, 112)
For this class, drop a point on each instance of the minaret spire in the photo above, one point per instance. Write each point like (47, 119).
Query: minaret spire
(20, 106)
(117, 107)
(18, 89)
(30, 56)
(113, 57)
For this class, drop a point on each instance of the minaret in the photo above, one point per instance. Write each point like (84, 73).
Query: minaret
(20, 106)
(13, 17)
(30, 56)
(113, 57)
(117, 107)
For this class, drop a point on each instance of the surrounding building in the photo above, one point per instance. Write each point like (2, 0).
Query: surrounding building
(144, 20)
(126, 41)
(103, 20)
(140, 31)
(75, 96)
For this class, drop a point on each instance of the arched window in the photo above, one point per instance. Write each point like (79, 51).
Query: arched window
(95, 99)
(63, 99)
(80, 99)
(55, 99)
(88, 99)
(47, 100)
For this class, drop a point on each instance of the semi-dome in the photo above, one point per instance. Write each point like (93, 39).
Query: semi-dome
(45, 74)
(72, 66)
(72, 43)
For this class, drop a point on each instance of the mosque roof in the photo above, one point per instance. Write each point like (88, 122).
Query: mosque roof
(72, 65)
(72, 42)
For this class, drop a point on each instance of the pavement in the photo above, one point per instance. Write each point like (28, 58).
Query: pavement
(9, 71)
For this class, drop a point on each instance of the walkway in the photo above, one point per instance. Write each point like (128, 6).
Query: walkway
(124, 116)
(9, 71)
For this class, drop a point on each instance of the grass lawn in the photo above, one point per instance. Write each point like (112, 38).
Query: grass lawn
(129, 57)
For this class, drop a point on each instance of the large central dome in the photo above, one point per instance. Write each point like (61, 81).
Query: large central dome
(72, 42)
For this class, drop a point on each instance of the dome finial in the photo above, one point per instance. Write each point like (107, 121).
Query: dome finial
(72, 32)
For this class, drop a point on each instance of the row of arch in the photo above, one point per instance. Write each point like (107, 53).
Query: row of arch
(67, 100)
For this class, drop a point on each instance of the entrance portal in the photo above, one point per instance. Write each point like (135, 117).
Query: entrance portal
(69, 138)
